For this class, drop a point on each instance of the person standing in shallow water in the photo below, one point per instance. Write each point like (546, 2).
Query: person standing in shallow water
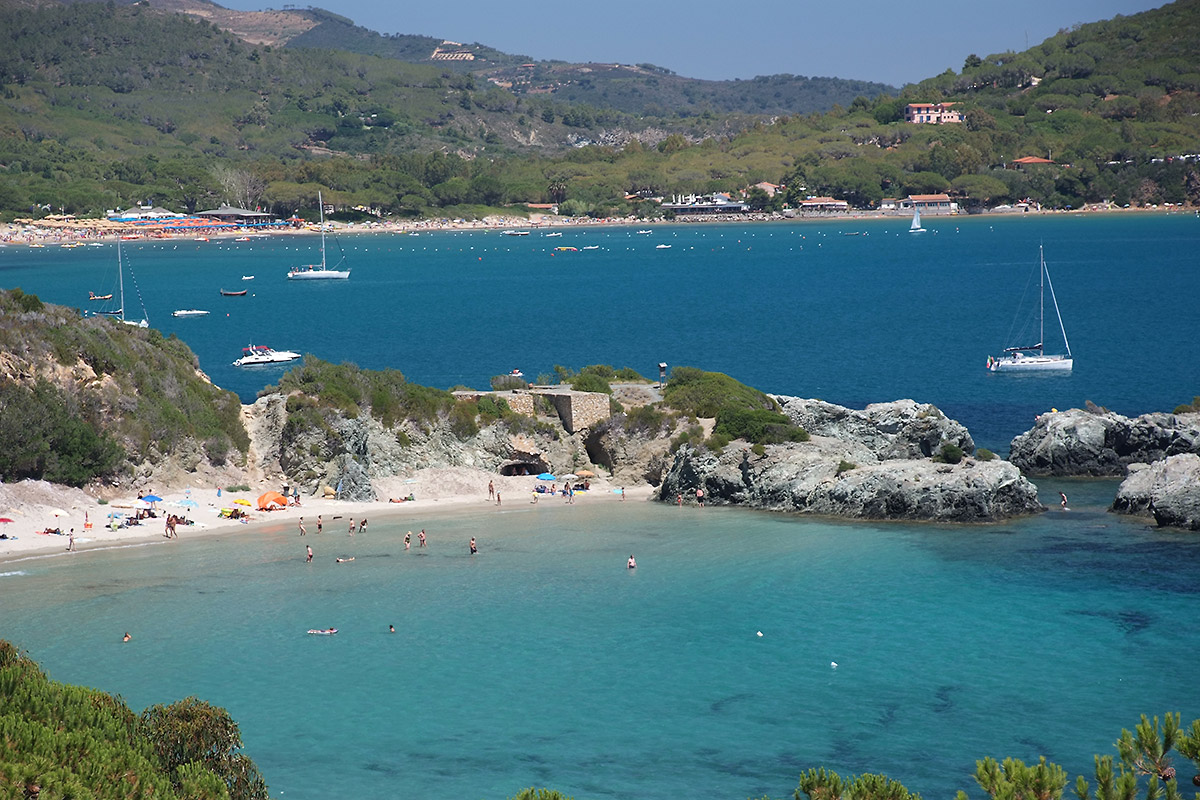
(421, 537)
(474, 549)
(319, 523)
(1064, 501)
(491, 490)
(407, 540)
(310, 555)
(302, 529)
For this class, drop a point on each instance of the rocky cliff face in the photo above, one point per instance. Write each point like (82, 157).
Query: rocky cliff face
(869, 464)
(805, 477)
(1100, 443)
(899, 429)
(1168, 490)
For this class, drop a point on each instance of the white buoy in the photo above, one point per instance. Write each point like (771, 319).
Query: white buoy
(760, 633)
(833, 664)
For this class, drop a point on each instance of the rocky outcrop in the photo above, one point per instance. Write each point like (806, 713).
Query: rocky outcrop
(811, 477)
(1099, 443)
(1169, 490)
(632, 457)
(899, 429)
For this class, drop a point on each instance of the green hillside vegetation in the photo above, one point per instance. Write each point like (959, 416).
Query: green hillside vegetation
(61, 741)
(87, 398)
(103, 109)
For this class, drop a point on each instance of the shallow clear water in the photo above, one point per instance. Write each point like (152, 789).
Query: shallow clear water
(789, 308)
(544, 661)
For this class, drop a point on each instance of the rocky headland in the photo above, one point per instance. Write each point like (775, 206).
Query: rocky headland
(876, 463)
(1096, 442)
(1168, 490)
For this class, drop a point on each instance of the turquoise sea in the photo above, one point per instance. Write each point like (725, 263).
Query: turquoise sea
(543, 660)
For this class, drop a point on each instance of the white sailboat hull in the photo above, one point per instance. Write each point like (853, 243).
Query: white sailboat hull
(318, 274)
(1032, 364)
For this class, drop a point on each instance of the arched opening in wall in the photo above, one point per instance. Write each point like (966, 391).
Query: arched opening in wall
(534, 467)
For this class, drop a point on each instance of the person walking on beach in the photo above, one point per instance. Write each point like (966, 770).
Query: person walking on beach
(302, 529)
(71, 542)
(407, 540)
(319, 523)
(310, 554)
(622, 494)
(491, 490)
(474, 549)
(421, 537)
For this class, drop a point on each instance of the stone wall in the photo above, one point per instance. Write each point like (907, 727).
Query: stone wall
(576, 410)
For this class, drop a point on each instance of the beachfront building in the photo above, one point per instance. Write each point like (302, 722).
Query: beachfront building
(710, 205)
(142, 213)
(929, 204)
(931, 113)
(238, 216)
(1028, 161)
(823, 205)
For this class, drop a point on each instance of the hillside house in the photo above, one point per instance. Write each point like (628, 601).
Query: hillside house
(931, 113)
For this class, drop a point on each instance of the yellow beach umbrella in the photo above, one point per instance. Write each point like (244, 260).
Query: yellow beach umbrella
(242, 502)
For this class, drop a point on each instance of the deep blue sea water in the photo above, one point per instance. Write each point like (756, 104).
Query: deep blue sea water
(789, 308)
(543, 661)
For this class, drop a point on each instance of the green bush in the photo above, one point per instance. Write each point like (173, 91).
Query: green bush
(1188, 408)
(629, 375)
(717, 442)
(983, 454)
(845, 466)
(648, 419)
(590, 382)
(241, 487)
(703, 394)
(759, 449)
(462, 419)
(758, 426)
(949, 454)
(615, 407)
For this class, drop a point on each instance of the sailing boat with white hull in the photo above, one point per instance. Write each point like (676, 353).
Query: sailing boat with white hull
(119, 312)
(1033, 358)
(916, 223)
(316, 272)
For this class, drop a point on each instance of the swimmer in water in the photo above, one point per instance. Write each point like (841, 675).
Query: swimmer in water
(126, 637)
(632, 564)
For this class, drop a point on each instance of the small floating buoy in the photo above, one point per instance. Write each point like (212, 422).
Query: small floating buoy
(833, 664)
(760, 633)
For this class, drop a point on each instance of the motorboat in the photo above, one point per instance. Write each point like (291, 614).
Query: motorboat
(515, 233)
(189, 312)
(257, 354)
(227, 293)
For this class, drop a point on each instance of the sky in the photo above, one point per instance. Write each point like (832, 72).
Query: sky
(890, 41)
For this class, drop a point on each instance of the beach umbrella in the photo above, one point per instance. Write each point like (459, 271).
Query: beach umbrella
(586, 473)
(269, 499)
(546, 476)
(5, 519)
(189, 504)
(242, 502)
(570, 476)
(152, 498)
(58, 512)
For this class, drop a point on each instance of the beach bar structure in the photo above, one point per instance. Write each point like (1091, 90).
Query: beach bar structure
(929, 204)
(238, 216)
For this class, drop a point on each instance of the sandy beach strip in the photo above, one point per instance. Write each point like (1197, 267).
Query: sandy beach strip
(35, 506)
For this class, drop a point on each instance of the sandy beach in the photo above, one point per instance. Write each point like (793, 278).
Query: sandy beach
(37, 506)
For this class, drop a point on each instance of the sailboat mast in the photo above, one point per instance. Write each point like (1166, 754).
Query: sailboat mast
(321, 203)
(121, 281)
(1042, 303)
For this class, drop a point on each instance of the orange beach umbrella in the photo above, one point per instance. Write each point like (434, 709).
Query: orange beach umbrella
(269, 499)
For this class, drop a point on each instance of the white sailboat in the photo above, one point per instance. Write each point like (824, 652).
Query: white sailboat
(119, 312)
(916, 223)
(314, 272)
(1033, 358)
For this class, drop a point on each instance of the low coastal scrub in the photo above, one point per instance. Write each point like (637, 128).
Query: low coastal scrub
(757, 426)
(388, 396)
(64, 741)
(1189, 408)
(983, 454)
(703, 394)
(147, 395)
(949, 454)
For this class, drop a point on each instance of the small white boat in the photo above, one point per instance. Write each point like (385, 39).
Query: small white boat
(247, 277)
(643, 233)
(1033, 358)
(662, 247)
(326, 632)
(189, 312)
(591, 247)
(515, 233)
(915, 227)
(257, 354)
(556, 233)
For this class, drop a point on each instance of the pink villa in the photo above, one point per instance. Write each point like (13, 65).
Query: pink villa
(935, 113)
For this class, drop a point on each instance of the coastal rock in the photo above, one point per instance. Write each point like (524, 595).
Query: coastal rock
(901, 429)
(1169, 490)
(811, 478)
(1100, 443)
(633, 456)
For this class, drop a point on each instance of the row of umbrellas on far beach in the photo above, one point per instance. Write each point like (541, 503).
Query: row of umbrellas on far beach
(570, 476)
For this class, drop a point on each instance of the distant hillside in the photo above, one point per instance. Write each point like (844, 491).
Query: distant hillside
(643, 89)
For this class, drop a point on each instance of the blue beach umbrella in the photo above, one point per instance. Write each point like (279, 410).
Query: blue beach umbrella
(152, 498)
(546, 476)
